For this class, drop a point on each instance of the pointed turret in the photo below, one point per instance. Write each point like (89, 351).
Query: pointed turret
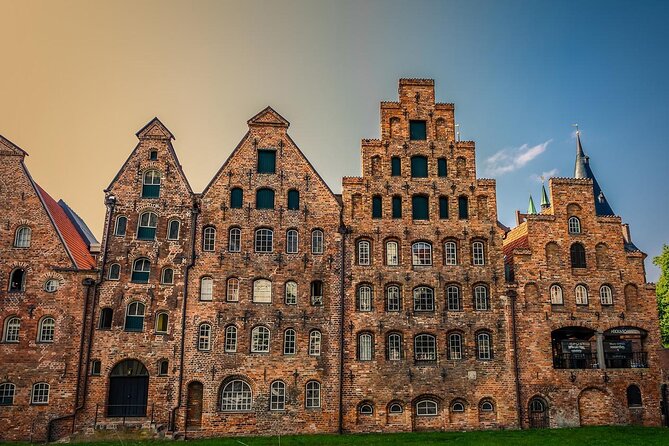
(582, 170)
(545, 203)
(531, 209)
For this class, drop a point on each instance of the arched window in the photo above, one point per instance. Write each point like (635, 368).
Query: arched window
(293, 200)
(134, 317)
(106, 318)
(114, 272)
(7, 392)
(426, 408)
(450, 253)
(235, 240)
(236, 198)
(204, 337)
(206, 288)
(606, 295)
(47, 328)
(141, 268)
(163, 367)
(423, 299)
(264, 240)
(486, 406)
(162, 322)
(51, 285)
(478, 254)
(317, 293)
(425, 347)
(365, 347)
(167, 276)
(377, 207)
(392, 253)
(577, 252)
(292, 241)
(574, 225)
(364, 252)
(556, 295)
(634, 396)
(366, 408)
(463, 207)
(317, 241)
(260, 340)
(173, 229)
(393, 299)
(455, 346)
(457, 407)
(22, 237)
(209, 238)
(420, 207)
(262, 291)
(364, 298)
(483, 346)
(312, 395)
(289, 342)
(395, 408)
(395, 166)
(418, 167)
(146, 229)
(12, 329)
(581, 293)
(277, 399)
(397, 207)
(17, 281)
(264, 198)
(230, 344)
(151, 184)
(315, 343)
(453, 298)
(40, 394)
(121, 225)
(421, 254)
(291, 293)
(481, 298)
(442, 171)
(236, 396)
(394, 347)
(443, 207)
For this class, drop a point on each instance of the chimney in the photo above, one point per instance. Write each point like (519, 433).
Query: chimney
(626, 233)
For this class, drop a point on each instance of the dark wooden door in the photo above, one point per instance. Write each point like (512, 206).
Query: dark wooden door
(128, 396)
(194, 414)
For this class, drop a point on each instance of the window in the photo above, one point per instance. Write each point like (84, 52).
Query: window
(260, 340)
(17, 281)
(418, 167)
(292, 241)
(397, 207)
(147, 226)
(574, 225)
(443, 208)
(134, 317)
(487, 406)
(377, 207)
(96, 367)
(209, 238)
(426, 408)
(420, 207)
(289, 342)
(634, 396)
(277, 399)
(266, 161)
(606, 295)
(163, 367)
(262, 291)
(453, 298)
(173, 228)
(441, 167)
(293, 200)
(450, 253)
(236, 198)
(417, 130)
(364, 252)
(483, 346)
(393, 300)
(51, 285)
(313, 395)
(153, 155)
(425, 348)
(317, 293)
(235, 240)
(264, 198)
(478, 254)
(47, 328)
(12, 329)
(455, 346)
(556, 295)
(204, 337)
(395, 408)
(315, 343)
(162, 320)
(140, 270)
(22, 237)
(364, 298)
(394, 347)
(392, 253)
(264, 240)
(106, 317)
(236, 396)
(481, 301)
(167, 276)
(317, 241)
(114, 271)
(577, 253)
(457, 406)
(151, 184)
(463, 208)
(40, 394)
(291, 293)
(581, 293)
(365, 347)
(423, 299)
(366, 409)
(230, 344)
(395, 166)
(121, 225)
(206, 288)
(421, 254)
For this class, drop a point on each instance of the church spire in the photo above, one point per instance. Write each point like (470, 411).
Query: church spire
(545, 203)
(582, 170)
(531, 209)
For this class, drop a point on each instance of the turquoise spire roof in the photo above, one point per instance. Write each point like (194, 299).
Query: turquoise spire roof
(531, 209)
(545, 203)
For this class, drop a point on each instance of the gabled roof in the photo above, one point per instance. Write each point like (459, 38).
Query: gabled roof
(515, 239)
(81, 226)
(582, 170)
(9, 148)
(268, 117)
(154, 130)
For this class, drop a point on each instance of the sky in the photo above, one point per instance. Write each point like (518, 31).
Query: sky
(79, 78)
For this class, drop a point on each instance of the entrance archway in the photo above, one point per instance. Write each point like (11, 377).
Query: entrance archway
(128, 390)
(194, 408)
(538, 413)
(595, 407)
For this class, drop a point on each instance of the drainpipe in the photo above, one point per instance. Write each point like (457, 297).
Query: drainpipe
(344, 231)
(519, 406)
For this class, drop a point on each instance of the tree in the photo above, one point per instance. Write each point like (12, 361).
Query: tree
(662, 291)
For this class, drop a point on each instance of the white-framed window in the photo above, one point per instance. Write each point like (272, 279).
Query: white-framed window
(483, 346)
(423, 299)
(365, 347)
(232, 290)
(392, 253)
(556, 295)
(394, 347)
(291, 293)
(51, 285)
(120, 226)
(264, 240)
(364, 298)
(204, 337)
(235, 240)
(277, 396)
(487, 406)
(395, 408)
(114, 271)
(455, 346)
(292, 239)
(236, 396)
(146, 229)
(230, 344)
(141, 270)
(173, 229)
(574, 225)
(393, 299)
(581, 293)
(364, 257)
(260, 339)
(317, 241)
(458, 407)
(478, 253)
(289, 342)
(426, 408)
(425, 347)
(40, 393)
(134, 316)
(209, 239)
(7, 392)
(312, 398)
(450, 253)
(23, 237)
(167, 277)
(206, 288)
(262, 291)
(47, 329)
(453, 298)
(606, 295)
(421, 254)
(366, 409)
(151, 184)
(481, 300)
(162, 322)
(315, 343)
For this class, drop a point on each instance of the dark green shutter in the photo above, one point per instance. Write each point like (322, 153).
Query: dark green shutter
(418, 167)
(151, 190)
(140, 277)
(146, 233)
(463, 208)
(293, 200)
(420, 207)
(417, 130)
(395, 166)
(397, 207)
(266, 161)
(443, 207)
(236, 198)
(265, 199)
(134, 323)
(441, 167)
(377, 207)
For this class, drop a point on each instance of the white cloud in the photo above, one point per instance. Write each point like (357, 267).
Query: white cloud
(545, 175)
(508, 160)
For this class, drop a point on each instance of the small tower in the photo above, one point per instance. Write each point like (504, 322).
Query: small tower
(545, 203)
(531, 209)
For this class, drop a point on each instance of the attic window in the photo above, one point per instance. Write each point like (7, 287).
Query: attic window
(266, 161)
(153, 155)
(417, 130)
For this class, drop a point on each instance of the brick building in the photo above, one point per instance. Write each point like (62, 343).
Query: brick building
(269, 305)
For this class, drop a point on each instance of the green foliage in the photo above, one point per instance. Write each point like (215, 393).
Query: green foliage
(662, 291)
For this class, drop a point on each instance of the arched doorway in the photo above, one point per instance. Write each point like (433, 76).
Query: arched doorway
(194, 408)
(128, 390)
(538, 413)
(595, 407)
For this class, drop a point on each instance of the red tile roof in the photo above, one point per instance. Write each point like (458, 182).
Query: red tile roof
(76, 245)
(516, 239)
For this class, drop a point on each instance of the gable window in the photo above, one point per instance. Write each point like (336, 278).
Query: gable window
(293, 200)
(418, 167)
(266, 161)
(313, 395)
(277, 399)
(455, 346)
(463, 208)
(47, 328)
(230, 344)
(208, 238)
(365, 347)
(167, 276)
(291, 241)
(453, 298)
(120, 227)
(394, 347)
(134, 317)
(289, 342)
(364, 253)
(425, 347)
(450, 253)
(235, 240)
(443, 208)
(40, 394)
(162, 320)
(574, 225)
(264, 198)
(114, 272)
(317, 293)
(260, 340)
(364, 298)
(581, 293)
(17, 281)
(12, 330)
(7, 392)
(262, 291)
(173, 228)
(441, 167)
(478, 254)
(377, 207)
(393, 301)
(397, 207)
(147, 226)
(483, 346)
(606, 295)
(420, 207)
(206, 288)
(22, 237)
(417, 130)
(264, 240)
(556, 295)
(577, 254)
(315, 343)
(481, 301)
(423, 299)
(204, 337)
(236, 198)
(106, 317)
(395, 166)
(151, 184)
(392, 253)
(232, 290)
(317, 241)
(153, 155)
(236, 396)
(291, 293)
(421, 254)
(426, 408)
(141, 268)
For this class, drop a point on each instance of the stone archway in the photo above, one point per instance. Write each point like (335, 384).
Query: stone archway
(595, 407)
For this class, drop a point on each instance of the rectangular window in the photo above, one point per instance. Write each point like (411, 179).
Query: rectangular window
(95, 368)
(420, 207)
(450, 253)
(365, 347)
(417, 130)
(394, 347)
(289, 342)
(317, 242)
(397, 207)
(377, 207)
(266, 161)
(455, 346)
(278, 396)
(418, 167)
(230, 344)
(425, 348)
(233, 290)
(395, 166)
(291, 293)
(443, 208)
(392, 254)
(463, 208)
(441, 167)
(393, 299)
(317, 293)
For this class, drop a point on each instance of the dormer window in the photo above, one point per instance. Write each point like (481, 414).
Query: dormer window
(417, 130)
(266, 161)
